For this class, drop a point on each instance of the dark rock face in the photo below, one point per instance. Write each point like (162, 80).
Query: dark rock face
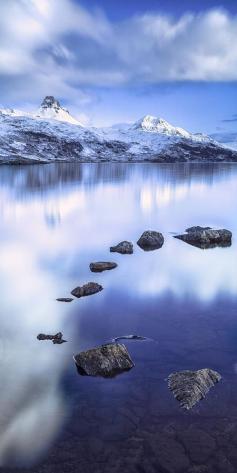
(64, 299)
(117, 146)
(50, 102)
(106, 361)
(206, 237)
(87, 290)
(150, 240)
(187, 151)
(124, 247)
(189, 387)
(100, 266)
(56, 339)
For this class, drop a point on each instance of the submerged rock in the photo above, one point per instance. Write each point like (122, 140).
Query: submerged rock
(206, 237)
(150, 240)
(129, 337)
(189, 387)
(56, 339)
(100, 266)
(106, 361)
(124, 247)
(64, 299)
(87, 290)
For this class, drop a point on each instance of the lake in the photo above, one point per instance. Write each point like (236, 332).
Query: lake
(55, 220)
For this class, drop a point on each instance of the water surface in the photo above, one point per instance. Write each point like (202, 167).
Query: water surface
(55, 220)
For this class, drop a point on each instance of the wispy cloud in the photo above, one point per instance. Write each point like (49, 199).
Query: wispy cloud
(64, 49)
(231, 120)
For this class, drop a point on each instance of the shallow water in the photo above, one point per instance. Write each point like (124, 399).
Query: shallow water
(56, 220)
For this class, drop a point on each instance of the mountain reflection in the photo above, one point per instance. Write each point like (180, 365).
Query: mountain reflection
(35, 178)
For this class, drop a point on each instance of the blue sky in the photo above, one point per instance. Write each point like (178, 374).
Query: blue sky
(127, 8)
(114, 62)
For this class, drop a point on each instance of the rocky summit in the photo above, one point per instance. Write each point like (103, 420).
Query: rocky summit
(51, 109)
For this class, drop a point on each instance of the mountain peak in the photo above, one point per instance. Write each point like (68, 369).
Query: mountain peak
(50, 102)
(51, 109)
(153, 124)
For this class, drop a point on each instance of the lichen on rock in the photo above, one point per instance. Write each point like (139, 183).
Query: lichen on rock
(189, 387)
(106, 360)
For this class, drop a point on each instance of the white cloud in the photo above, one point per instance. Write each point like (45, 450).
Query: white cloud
(61, 49)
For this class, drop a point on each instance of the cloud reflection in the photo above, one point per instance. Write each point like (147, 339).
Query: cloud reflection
(94, 207)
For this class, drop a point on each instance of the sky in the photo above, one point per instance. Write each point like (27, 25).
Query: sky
(113, 62)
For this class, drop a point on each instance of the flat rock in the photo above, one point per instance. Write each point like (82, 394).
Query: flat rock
(150, 240)
(124, 247)
(64, 299)
(87, 290)
(100, 266)
(206, 237)
(106, 361)
(189, 387)
(129, 337)
(56, 339)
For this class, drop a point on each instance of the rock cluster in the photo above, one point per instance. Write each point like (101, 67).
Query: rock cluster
(189, 387)
(110, 359)
(106, 361)
(206, 237)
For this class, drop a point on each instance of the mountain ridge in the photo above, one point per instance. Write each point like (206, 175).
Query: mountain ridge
(52, 134)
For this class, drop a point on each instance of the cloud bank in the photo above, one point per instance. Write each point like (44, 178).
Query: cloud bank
(62, 48)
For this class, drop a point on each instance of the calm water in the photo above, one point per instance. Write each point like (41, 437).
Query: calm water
(55, 220)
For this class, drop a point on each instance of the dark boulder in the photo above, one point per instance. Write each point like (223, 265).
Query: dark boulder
(106, 361)
(64, 299)
(206, 237)
(87, 290)
(150, 240)
(189, 387)
(100, 266)
(124, 247)
(56, 339)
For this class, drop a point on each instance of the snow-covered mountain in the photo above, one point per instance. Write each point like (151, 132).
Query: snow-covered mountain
(159, 125)
(51, 109)
(52, 134)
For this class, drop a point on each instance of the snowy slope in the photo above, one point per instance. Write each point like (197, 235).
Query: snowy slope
(159, 125)
(52, 134)
(227, 139)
